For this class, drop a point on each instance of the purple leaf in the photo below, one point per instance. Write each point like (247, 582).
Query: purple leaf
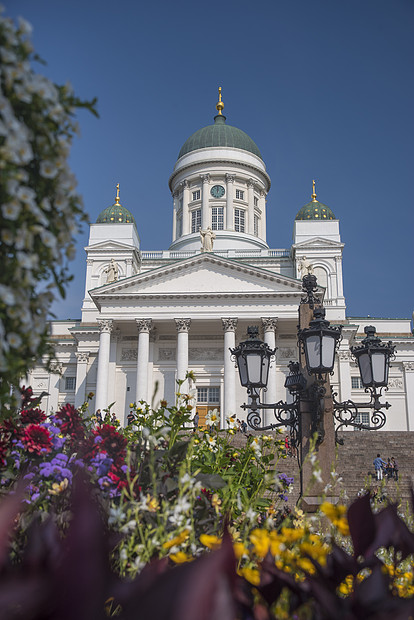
(361, 525)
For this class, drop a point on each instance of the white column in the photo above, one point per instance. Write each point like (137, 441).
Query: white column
(229, 201)
(81, 372)
(128, 267)
(262, 206)
(339, 281)
(205, 219)
(250, 209)
(409, 393)
(53, 389)
(175, 210)
(186, 220)
(229, 326)
(344, 360)
(183, 327)
(270, 396)
(144, 328)
(101, 399)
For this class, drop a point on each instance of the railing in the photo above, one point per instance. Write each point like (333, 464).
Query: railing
(169, 255)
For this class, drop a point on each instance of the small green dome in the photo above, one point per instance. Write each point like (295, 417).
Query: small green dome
(315, 210)
(116, 214)
(219, 134)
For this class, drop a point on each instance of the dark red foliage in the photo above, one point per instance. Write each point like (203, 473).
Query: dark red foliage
(32, 416)
(113, 443)
(71, 422)
(26, 396)
(37, 439)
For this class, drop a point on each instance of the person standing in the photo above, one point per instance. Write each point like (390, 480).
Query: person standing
(196, 420)
(394, 467)
(379, 464)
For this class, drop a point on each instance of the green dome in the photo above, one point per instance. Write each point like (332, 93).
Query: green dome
(219, 134)
(315, 210)
(116, 214)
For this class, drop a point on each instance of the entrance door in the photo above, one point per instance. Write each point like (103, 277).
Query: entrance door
(208, 398)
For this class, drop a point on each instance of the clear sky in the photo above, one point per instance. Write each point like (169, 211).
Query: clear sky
(324, 87)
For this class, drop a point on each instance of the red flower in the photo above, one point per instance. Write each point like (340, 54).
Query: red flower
(37, 439)
(71, 421)
(113, 443)
(32, 416)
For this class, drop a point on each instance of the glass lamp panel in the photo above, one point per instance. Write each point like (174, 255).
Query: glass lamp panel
(242, 364)
(365, 368)
(265, 370)
(313, 348)
(378, 367)
(328, 351)
(254, 368)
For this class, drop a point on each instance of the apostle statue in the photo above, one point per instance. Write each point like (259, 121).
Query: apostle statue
(207, 239)
(112, 272)
(304, 267)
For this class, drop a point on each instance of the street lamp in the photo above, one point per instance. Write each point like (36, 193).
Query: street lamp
(319, 343)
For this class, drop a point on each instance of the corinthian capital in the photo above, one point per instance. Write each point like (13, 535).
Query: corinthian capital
(229, 325)
(184, 184)
(230, 178)
(144, 325)
(205, 178)
(269, 323)
(250, 183)
(105, 325)
(182, 325)
(82, 357)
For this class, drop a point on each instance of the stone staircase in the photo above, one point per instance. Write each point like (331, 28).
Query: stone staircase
(355, 463)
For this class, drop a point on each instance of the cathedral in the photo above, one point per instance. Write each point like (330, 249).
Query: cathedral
(148, 317)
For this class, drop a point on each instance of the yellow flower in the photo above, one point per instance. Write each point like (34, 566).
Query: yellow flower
(152, 504)
(59, 487)
(336, 514)
(346, 587)
(251, 575)
(240, 550)
(292, 535)
(216, 502)
(180, 557)
(210, 541)
(306, 565)
(261, 542)
(177, 540)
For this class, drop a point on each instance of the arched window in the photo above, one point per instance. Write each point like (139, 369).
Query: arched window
(322, 277)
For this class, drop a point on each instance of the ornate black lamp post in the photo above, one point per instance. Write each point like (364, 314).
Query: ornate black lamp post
(319, 343)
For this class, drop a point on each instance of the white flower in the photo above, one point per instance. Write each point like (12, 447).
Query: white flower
(232, 422)
(7, 295)
(250, 514)
(212, 418)
(48, 169)
(255, 445)
(11, 210)
(128, 527)
(14, 340)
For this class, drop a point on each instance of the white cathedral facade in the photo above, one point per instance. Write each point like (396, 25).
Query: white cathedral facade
(150, 316)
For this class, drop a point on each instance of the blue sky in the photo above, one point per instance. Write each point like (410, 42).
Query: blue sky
(324, 87)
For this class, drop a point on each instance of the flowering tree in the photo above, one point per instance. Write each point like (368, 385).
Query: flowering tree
(40, 209)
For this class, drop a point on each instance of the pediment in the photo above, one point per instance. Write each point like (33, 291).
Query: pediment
(108, 246)
(205, 275)
(318, 242)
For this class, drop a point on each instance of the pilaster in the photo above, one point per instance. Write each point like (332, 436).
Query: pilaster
(229, 327)
(183, 327)
(229, 201)
(144, 327)
(205, 219)
(269, 325)
(81, 374)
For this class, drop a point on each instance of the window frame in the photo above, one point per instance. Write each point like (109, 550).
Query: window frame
(240, 220)
(218, 216)
(195, 219)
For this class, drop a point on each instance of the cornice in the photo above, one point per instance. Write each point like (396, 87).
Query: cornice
(220, 161)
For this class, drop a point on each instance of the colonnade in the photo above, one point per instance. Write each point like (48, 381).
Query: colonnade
(183, 326)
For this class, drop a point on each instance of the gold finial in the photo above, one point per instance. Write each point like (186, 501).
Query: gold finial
(313, 192)
(220, 104)
(117, 194)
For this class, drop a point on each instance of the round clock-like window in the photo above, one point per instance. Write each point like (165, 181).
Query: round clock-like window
(217, 191)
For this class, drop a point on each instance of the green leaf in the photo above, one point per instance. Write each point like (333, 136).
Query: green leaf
(212, 481)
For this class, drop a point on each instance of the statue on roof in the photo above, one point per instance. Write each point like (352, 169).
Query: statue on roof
(112, 272)
(304, 267)
(207, 239)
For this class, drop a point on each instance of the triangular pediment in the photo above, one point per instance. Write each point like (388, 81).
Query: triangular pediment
(318, 242)
(109, 245)
(205, 275)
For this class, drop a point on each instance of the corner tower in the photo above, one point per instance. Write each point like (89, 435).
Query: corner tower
(219, 181)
